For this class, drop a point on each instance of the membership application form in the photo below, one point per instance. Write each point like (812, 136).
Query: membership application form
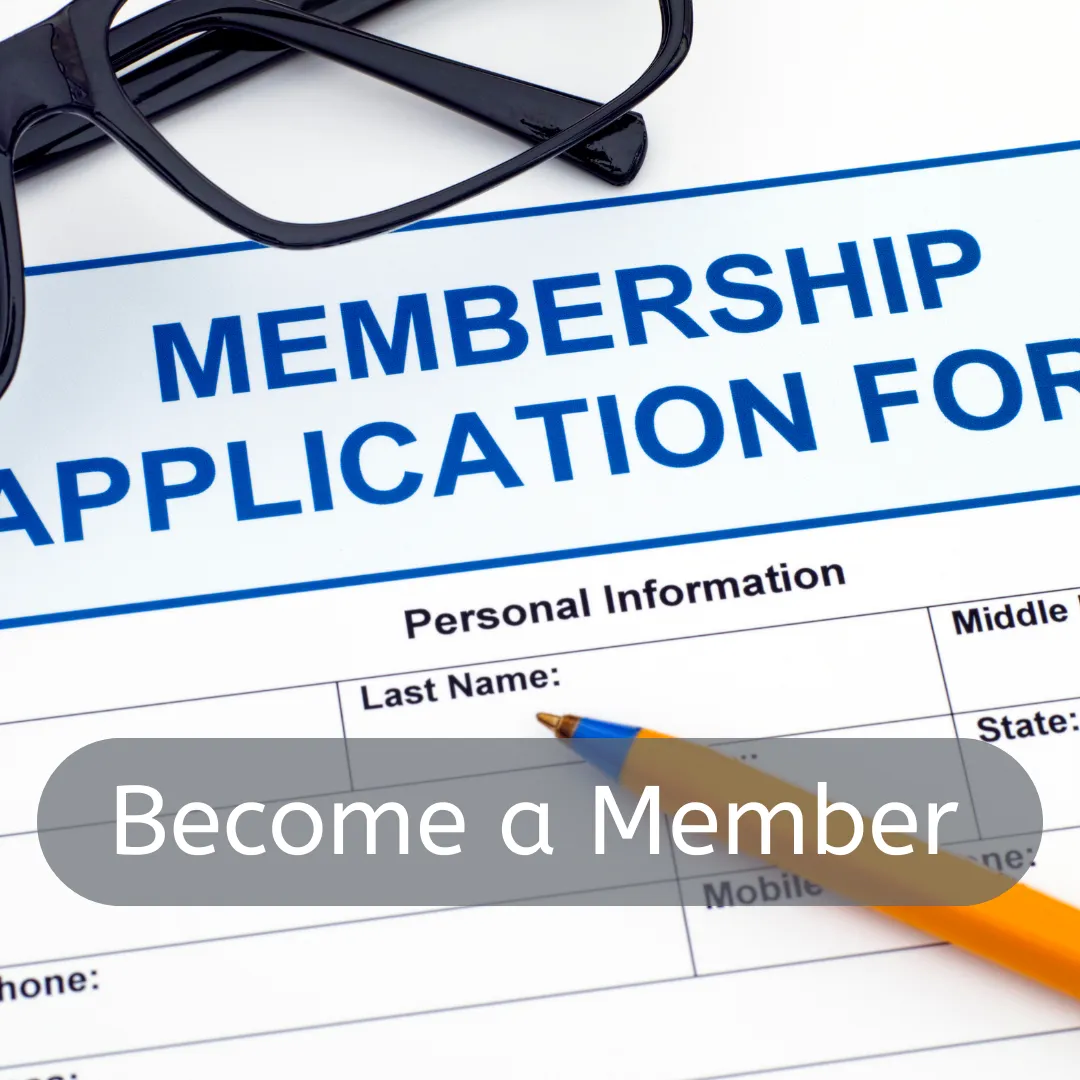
(789, 458)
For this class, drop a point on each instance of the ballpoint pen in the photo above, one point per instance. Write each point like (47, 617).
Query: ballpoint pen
(1020, 928)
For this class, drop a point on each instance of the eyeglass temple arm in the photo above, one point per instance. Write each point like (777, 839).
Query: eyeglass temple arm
(219, 57)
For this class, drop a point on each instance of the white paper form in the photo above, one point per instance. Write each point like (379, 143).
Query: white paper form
(924, 584)
(619, 992)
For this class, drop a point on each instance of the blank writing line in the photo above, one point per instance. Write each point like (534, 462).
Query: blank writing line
(892, 1054)
(471, 1006)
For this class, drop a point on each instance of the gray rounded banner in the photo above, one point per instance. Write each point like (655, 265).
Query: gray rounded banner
(436, 822)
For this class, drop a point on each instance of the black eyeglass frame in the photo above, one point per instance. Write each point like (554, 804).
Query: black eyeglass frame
(63, 65)
(196, 67)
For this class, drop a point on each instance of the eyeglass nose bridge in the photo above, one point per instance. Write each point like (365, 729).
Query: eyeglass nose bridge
(41, 73)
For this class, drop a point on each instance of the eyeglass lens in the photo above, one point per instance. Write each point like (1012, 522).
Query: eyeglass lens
(313, 140)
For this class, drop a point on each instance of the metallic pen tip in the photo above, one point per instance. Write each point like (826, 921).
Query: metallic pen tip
(563, 727)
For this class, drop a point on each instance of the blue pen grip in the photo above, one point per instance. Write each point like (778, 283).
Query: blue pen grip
(603, 744)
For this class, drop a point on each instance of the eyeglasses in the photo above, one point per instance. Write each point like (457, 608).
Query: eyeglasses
(92, 71)
(190, 70)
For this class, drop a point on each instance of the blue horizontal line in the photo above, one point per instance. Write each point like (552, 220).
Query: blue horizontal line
(534, 558)
(145, 257)
(448, 222)
(743, 185)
